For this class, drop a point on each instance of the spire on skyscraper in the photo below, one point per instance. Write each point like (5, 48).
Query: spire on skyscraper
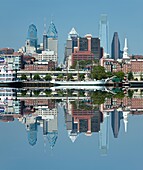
(45, 27)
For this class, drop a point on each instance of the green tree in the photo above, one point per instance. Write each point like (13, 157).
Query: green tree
(23, 77)
(69, 76)
(99, 97)
(98, 72)
(58, 69)
(119, 95)
(130, 76)
(48, 77)
(81, 77)
(23, 92)
(130, 93)
(36, 77)
(60, 76)
(36, 92)
(120, 74)
(48, 92)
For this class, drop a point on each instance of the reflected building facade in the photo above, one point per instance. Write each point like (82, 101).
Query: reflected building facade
(82, 114)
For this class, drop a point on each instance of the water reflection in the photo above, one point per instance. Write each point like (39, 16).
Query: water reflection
(85, 112)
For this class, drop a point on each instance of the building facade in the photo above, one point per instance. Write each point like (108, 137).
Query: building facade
(115, 48)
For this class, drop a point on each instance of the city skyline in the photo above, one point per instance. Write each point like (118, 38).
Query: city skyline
(121, 22)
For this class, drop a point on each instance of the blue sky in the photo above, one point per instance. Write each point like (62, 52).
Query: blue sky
(124, 16)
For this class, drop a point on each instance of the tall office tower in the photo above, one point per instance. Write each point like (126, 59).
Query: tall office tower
(95, 47)
(52, 36)
(73, 36)
(45, 42)
(103, 35)
(83, 44)
(104, 134)
(115, 122)
(32, 134)
(32, 36)
(115, 48)
(71, 42)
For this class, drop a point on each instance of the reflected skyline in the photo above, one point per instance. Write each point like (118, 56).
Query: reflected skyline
(85, 112)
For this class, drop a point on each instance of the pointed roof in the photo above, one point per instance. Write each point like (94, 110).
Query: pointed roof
(73, 137)
(52, 31)
(125, 50)
(73, 32)
(52, 138)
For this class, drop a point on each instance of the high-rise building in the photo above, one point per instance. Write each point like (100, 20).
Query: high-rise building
(104, 134)
(32, 36)
(103, 35)
(52, 37)
(115, 120)
(32, 134)
(73, 35)
(115, 48)
(45, 42)
(71, 42)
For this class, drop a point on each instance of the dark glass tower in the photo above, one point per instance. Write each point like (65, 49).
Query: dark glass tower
(32, 35)
(45, 41)
(116, 116)
(115, 48)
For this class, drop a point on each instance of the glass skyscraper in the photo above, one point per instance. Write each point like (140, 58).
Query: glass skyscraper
(115, 48)
(52, 31)
(32, 36)
(103, 34)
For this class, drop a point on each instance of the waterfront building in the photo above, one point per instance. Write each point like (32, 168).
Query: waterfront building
(12, 62)
(6, 51)
(115, 48)
(103, 35)
(46, 56)
(32, 36)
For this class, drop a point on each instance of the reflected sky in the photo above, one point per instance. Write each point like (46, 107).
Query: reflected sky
(40, 131)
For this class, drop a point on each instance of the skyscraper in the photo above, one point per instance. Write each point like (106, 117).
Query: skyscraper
(52, 36)
(115, 48)
(45, 42)
(103, 35)
(116, 116)
(32, 36)
(71, 42)
(32, 134)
